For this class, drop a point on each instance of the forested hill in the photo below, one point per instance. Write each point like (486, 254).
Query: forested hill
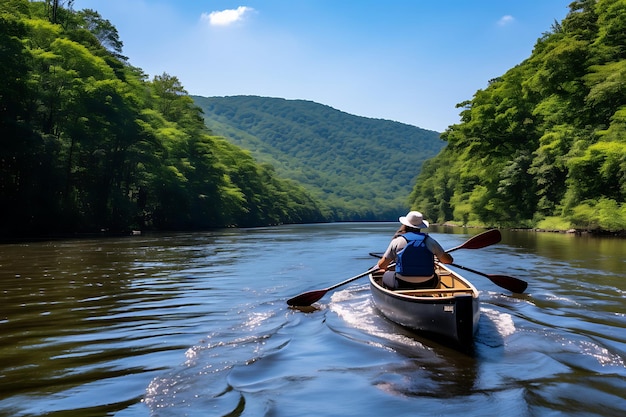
(360, 168)
(544, 145)
(88, 144)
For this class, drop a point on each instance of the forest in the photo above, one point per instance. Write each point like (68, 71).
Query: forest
(360, 168)
(544, 145)
(89, 144)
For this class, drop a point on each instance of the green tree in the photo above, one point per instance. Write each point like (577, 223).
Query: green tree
(88, 144)
(546, 139)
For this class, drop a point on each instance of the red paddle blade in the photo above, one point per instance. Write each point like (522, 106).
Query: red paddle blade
(512, 284)
(490, 237)
(307, 298)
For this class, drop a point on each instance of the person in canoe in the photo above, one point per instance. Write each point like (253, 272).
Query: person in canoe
(413, 252)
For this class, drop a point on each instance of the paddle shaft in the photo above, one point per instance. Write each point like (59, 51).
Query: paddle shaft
(512, 284)
(490, 237)
(479, 241)
(352, 279)
(308, 298)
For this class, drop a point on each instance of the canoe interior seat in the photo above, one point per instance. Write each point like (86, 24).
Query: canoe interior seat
(435, 293)
(446, 280)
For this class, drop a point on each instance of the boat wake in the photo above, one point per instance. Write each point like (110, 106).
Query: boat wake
(355, 308)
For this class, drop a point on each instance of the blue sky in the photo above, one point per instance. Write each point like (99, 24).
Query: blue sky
(410, 61)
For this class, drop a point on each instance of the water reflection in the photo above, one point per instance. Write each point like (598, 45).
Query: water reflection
(190, 324)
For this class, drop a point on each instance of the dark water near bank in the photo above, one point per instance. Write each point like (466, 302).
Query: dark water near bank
(197, 325)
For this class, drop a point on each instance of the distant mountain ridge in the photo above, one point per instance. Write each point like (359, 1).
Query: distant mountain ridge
(360, 168)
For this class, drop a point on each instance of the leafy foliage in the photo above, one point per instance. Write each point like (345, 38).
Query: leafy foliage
(89, 144)
(361, 168)
(546, 140)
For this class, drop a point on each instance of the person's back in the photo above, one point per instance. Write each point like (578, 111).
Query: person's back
(413, 252)
(415, 259)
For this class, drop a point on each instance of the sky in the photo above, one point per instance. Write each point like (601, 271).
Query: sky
(410, 61)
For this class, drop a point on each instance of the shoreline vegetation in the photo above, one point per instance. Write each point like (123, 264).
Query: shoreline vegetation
(131, 233)
(93, 147)
(572, 230)
(542, 146)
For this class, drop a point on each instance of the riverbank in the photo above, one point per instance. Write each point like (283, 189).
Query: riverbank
(575, 231)
(130, 233)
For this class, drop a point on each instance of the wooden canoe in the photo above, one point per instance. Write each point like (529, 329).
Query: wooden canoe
(450, 311)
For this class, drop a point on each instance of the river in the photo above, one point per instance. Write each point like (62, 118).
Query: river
(196, 324)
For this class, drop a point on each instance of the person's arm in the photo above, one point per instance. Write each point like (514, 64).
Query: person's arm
(445, 258)
(437, 250)
(388, 257)
(383, 263)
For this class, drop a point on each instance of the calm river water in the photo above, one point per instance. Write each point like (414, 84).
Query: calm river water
(197, 325)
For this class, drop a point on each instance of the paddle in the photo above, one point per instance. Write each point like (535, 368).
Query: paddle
(490, 237)
(484, 239)
(481, 240)
(475, 242)
(512, 284)
(308, 298)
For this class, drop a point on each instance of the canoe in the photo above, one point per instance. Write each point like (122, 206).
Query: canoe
(449, 312)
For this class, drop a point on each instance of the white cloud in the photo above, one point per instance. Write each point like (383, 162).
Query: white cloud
(226, 17)
(505, 20)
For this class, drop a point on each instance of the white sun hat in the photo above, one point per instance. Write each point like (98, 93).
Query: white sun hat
(414, 219)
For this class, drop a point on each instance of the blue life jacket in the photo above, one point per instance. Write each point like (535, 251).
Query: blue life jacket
(415, 259)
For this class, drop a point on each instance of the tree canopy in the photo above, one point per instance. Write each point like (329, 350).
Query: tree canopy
(360, 168)
(89, 143)
(544, 145)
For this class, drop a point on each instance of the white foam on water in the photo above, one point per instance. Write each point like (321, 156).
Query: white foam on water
(562, 300)
(502, 321)
(257, 319)
(601, 354)
(355, 308)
